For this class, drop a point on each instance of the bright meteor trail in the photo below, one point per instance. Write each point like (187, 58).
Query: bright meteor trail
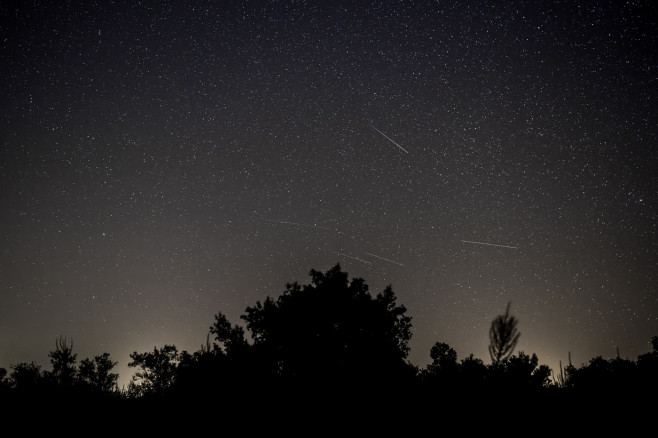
(353, 258)
(379, 257)
(389, 138)
(489, 244)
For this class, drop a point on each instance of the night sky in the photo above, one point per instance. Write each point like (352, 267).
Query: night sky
(164, 161)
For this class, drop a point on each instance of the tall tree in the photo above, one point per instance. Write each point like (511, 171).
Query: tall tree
(503, 336)
(331, 332)
(63, 361)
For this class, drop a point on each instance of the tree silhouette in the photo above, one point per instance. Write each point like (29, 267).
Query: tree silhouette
(473, 372)
(231, 337)
(331, 333)
(442, 375)
(26, 377)
(647, 365)
(63, 362)
(226, 366)
(523, 371)
(444, 358)
(96, 373)
(503, 336)
(157, 371)
(329, 348)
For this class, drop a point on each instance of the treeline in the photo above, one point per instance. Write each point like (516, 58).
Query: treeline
(326, 343)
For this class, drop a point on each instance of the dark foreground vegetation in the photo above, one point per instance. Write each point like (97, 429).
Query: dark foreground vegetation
(330, 357)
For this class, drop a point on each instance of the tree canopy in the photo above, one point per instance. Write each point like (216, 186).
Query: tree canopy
(322, 345)
(329, 332)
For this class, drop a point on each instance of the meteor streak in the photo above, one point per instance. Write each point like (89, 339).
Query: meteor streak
(389, 138)
(300, 225)
(354, 258)
(489, 244)
(390, 261)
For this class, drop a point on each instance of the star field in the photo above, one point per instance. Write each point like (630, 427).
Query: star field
(163, 161)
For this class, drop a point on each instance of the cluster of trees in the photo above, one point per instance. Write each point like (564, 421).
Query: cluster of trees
(325, 342)
(92, 376)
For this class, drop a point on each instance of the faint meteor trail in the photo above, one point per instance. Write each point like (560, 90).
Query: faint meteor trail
(489, 244)
(390, 261)
(389, 138)
(354, 258)
(300, 225)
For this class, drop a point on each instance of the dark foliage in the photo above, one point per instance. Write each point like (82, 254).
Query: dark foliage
(327, 352)
(96, 374)
(332, 335)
